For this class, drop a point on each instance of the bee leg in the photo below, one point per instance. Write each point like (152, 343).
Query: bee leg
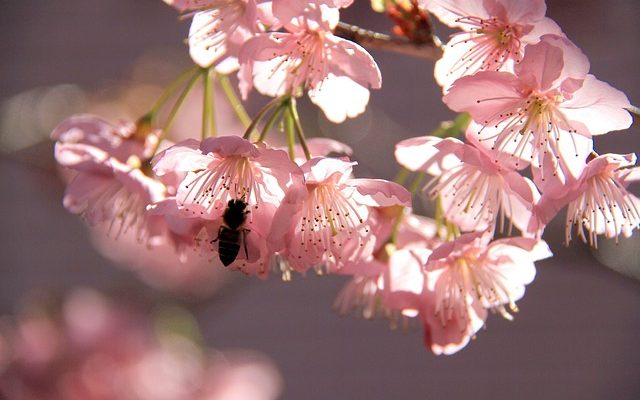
(216, 239)
(244, 242)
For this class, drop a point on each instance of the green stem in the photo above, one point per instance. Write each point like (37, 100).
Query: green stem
(170, 90)
(415, 185)
(271, 121)
(178, 103)
(175, 109)
(234, 101)
(293, 110)
(291, 140)
(261, 114)
(206, 105)
(393, 238)
(402, 176)
(212, 105)
(439, 217)
(452, 231)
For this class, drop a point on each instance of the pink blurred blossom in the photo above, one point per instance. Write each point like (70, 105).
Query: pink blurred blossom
(93, 348)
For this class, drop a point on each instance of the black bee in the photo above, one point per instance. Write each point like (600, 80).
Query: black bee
(232, 231)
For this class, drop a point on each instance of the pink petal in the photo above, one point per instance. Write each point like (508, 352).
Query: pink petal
(551, 61)
(207, 38)
(521, 198)
(349, 59)
(455, 63)
(320, 146)
(380, 193)
(311, 14)
(321, 169)
(535, 250)
(340, 98)
(454, 334)
(484, 95)
(522, 12)
(597, 107)
(449, 11)
(83, 190)
(82, 157)
(420, 154)
(190, 5)
(445, 249)
(545, 26)
(287, 214)
(183, 156)
(227, 146)
(405, 271)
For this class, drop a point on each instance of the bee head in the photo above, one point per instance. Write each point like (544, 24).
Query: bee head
(238, 204)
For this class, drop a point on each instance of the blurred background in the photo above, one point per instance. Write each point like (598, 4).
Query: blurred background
(579, 323)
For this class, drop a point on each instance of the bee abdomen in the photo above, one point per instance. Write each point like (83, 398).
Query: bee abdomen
(229, 246)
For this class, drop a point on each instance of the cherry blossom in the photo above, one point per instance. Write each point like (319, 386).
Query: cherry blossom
(469, 276)
(474, 190)
(230, 168)
(337, 73)
(331, 223)
(598, 201)
(391, 282)
(549, 105)
(494, 35)
(218, 30)
(113, 184)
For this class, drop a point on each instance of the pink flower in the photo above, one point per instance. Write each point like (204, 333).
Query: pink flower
(494, 35)
(390, 284)
(84, 131)
(328, 223)
(112, 184)
(337, 73)
(598, 201)
(469, 276)
(224, 169)
(218, 30)
(550, 105)
(474, 190)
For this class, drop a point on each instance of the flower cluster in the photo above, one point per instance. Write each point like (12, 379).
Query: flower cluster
(532, 103)
(528, 102)
(93, 348)
(283, 47)
(300, 216)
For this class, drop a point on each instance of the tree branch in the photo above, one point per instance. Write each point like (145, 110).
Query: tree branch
(380, 41)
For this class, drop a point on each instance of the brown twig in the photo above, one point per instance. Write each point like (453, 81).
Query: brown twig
(380, 41)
